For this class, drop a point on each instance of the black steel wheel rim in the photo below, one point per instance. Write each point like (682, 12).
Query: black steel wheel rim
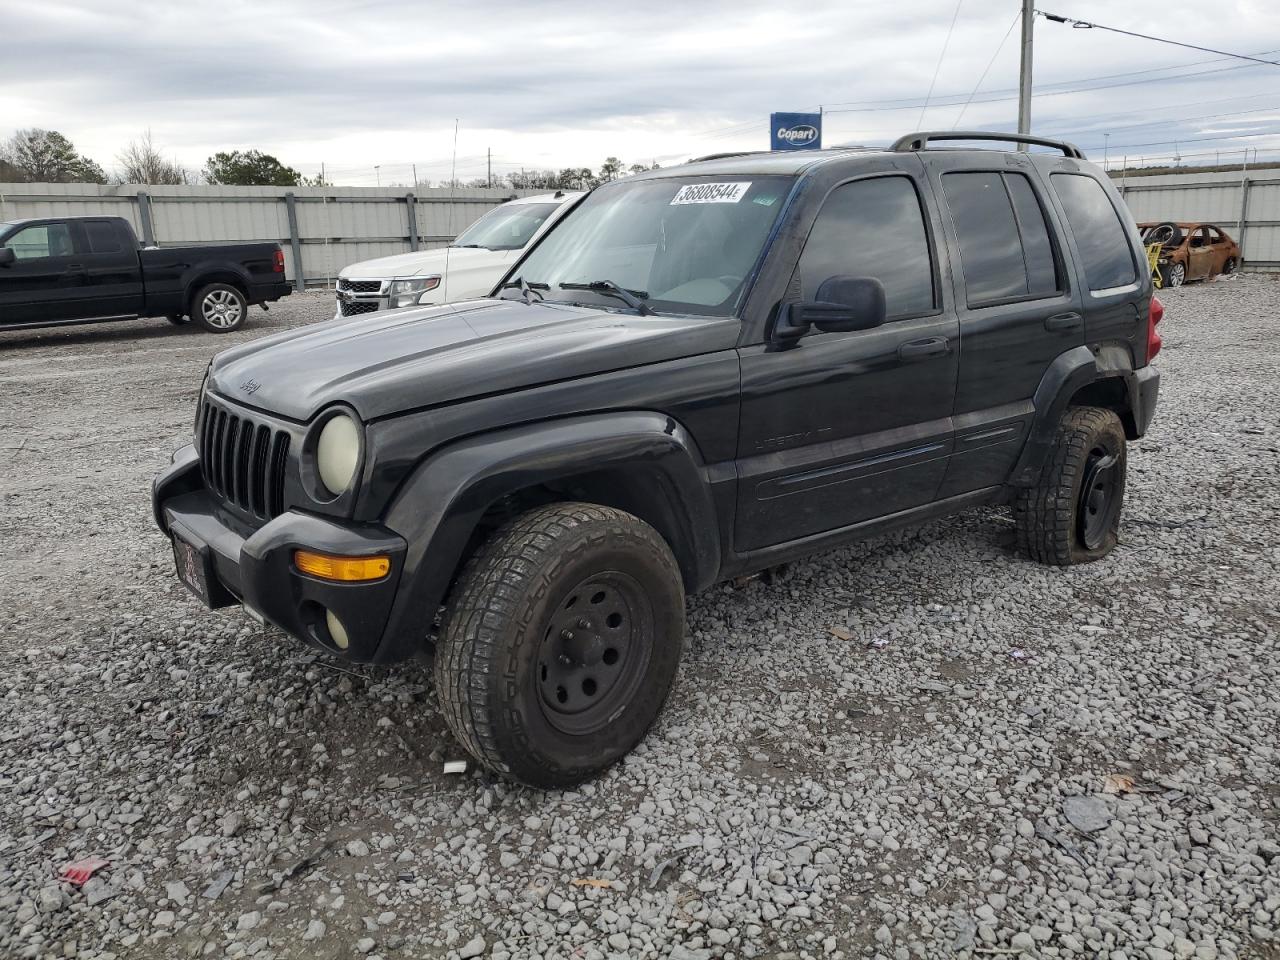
(594, 652)
(1099, 501)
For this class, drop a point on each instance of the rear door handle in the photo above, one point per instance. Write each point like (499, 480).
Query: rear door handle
(924, 349)
(1064, 321)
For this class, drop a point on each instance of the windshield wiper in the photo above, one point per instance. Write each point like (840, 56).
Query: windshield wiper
(526, 289)
(632, 298)
(468, 246)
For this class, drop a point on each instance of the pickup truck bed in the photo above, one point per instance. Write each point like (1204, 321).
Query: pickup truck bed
(91, 269)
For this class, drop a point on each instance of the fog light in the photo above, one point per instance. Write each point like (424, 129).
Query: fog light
(337, 632)
(345, 569)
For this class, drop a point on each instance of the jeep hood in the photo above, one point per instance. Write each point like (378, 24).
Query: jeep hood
(398, 360)
(424, 263)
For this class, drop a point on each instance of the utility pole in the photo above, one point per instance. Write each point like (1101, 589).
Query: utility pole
(1106, 143)
(377, 172)
(489, 160)
(415, 175)
(1024, 77)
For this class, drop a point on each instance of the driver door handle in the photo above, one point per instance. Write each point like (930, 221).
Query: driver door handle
(924, 349)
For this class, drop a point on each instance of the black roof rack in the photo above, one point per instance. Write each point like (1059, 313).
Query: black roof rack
(725, 156)
(919, 141)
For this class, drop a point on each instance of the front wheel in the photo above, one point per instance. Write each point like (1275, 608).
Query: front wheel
(220, 308)
(1174, 275)
(561, 643)
(1072, 514)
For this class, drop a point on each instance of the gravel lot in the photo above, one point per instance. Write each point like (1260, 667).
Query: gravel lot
(924, 746)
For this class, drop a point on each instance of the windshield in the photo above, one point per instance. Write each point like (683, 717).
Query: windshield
(508, 227)
(679, 244)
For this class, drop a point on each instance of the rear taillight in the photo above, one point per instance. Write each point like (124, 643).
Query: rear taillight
(1153, 319)
(278, 264)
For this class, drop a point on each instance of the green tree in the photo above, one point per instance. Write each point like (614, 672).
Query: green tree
(250, 168)
(576, 178)
(611, 169)
(46, 156)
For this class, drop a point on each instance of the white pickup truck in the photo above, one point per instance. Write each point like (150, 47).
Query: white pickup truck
(468, 267)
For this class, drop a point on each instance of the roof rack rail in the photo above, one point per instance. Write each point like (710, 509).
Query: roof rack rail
(725, 156)
(919, 141)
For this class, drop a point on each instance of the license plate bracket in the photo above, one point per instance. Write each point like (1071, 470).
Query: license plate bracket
(194, 563)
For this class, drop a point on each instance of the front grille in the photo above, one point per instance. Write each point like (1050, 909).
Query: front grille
(243, 461)
(351, 308)
(359, 286)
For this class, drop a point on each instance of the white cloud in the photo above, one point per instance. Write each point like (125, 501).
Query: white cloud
(562, 82)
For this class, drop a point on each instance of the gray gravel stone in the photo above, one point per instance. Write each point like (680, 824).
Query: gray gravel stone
(895, 794)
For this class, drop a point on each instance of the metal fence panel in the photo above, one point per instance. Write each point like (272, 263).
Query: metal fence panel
(1245, 203)
(337, 226)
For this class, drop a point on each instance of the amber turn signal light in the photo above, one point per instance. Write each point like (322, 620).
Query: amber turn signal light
(345, 569)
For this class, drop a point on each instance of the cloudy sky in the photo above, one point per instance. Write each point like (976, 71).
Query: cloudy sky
(552, 83)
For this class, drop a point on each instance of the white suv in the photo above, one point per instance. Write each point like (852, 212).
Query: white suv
(468, 267)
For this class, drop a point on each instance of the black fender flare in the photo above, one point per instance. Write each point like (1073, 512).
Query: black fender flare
(1071, 372)
(438, 507)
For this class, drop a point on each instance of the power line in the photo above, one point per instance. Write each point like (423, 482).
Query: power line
(1086, 25)
(938, 66)
(987, 69)
(910, 102)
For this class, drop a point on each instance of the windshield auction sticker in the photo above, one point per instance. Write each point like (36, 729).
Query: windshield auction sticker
(711, 192)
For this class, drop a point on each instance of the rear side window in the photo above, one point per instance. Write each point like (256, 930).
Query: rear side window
(1005, 251)
(1100, 234)
(873, 228)
(102, 238)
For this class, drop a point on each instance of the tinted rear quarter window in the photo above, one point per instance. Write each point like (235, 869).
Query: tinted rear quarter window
(873, 228)
(1005, 251)
(1098, 230)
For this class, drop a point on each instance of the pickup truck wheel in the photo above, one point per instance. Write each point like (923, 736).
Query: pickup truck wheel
(1072, 514)
(219, 308)
(561, 643)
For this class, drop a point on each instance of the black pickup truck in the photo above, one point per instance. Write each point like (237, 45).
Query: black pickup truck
(91, 269)
(699, 372)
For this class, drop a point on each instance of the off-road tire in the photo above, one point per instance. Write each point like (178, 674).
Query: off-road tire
(487, 669)
(1048, 514)
(204, 309)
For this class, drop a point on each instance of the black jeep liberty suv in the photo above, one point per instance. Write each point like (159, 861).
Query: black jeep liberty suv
(699, 372)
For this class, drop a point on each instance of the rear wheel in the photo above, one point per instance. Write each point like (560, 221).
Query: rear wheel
(219, 308)
(561, 643)
(1072, 514)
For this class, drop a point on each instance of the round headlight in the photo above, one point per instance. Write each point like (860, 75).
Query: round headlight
(338, 453)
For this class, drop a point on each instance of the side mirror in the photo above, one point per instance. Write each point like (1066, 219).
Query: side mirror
(860, 300)
(843, 303)
(7, 256)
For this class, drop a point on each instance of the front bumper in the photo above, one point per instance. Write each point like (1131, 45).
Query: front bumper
(255, 566)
